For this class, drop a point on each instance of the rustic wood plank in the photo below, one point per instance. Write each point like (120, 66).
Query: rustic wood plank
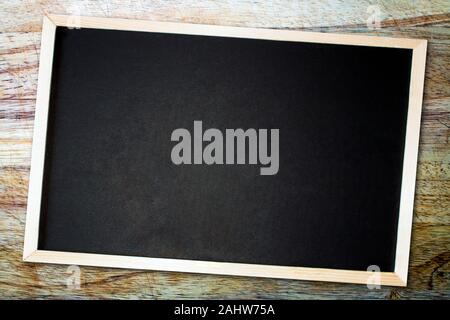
(19, 49)
(19, 56)
(267, 14)
(428, 272)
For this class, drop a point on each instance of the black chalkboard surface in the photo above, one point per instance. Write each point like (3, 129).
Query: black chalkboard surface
(110, 185)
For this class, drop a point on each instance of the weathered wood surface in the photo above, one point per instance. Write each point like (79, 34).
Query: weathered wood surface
(20, 25)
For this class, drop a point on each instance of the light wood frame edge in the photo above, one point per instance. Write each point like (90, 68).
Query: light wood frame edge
(210, 267)
(228, 31)
(396, 278)
(410, 158)
(39, 138)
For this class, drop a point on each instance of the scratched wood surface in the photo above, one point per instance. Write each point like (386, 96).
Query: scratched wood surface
(20, 23)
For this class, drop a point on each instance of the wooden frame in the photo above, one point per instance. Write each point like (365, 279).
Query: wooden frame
(396, 278)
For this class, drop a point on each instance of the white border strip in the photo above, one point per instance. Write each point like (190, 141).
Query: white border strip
(410, 161)
(234, 32)
(206, 267)
(39, 138)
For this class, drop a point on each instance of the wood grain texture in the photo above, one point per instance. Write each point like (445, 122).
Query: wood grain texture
(20, 27)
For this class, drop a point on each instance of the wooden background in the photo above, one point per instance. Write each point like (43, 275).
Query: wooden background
(20, 23)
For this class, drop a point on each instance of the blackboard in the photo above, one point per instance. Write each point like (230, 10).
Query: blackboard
(110, 187)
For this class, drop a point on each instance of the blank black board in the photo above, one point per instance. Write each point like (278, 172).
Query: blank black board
(110, 186)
